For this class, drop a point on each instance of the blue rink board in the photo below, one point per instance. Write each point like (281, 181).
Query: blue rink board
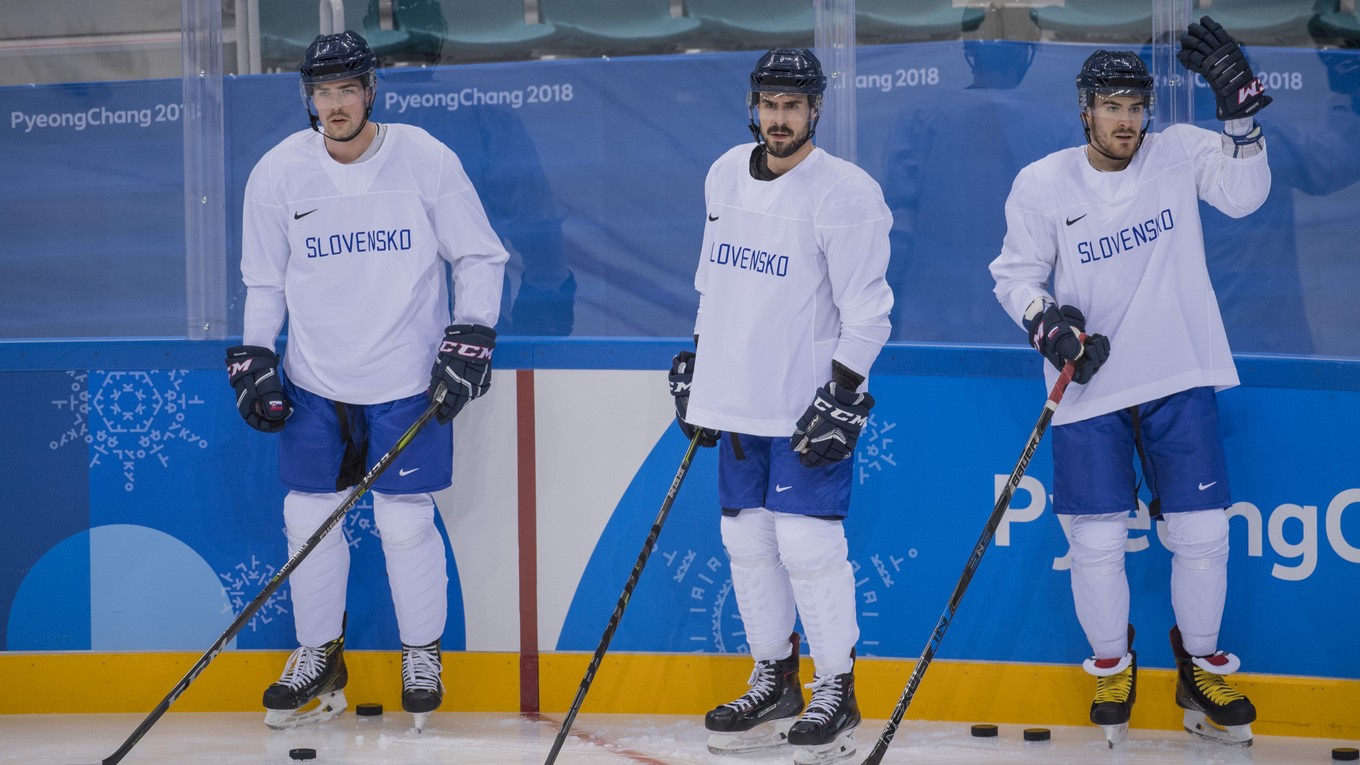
(111, 456)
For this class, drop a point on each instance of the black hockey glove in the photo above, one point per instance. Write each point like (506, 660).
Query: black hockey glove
(254, 373)
(682, 375)
(1056, 333)
(828, 430)
(463, 366)
(1208, 50)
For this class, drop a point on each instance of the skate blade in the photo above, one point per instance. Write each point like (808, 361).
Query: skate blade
(770, 735)
(419, 720)
(1197, 724)
(328, 707)
(1115, 734)
(840, 749)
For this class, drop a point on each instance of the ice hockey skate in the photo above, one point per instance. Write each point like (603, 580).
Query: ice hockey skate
(1213, 709)
(1116, 690)
(760, 718)
(826, 732)
(311, 674)
(422, 682)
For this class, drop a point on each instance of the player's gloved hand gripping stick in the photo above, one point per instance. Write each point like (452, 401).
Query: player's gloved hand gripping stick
(1002, 503)
(1060, 335)
(681, 378)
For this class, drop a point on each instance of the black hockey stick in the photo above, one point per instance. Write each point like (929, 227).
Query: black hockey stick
(623, 599)
(279, 577)
(1002, 503)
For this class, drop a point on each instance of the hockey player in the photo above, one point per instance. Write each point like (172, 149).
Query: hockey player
(793, 310)
(1115, 224)
(348, 227)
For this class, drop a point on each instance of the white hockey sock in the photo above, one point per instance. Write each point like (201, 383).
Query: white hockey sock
(320, 582)
(416, 565)
(1199, 576)
(815, 553)
(1100, 588)
(760, 583)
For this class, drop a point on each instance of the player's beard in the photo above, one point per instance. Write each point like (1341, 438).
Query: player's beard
(790, 143)
(351, 128)
(1117, 144)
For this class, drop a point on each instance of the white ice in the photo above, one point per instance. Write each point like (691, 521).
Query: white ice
(596, 739)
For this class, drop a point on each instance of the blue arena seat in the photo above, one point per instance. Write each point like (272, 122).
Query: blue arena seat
(618, 26)
(884, 21)
(415, 33)
(750, 24)
(287, 27)
(1269, 22)
(1343, 25)
(1095, 20)
(491, 29)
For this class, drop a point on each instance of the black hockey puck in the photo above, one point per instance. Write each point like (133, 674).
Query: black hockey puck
(302, 754)
(984, 730)
(1037, 734)
(1346, 753)
(368, 710)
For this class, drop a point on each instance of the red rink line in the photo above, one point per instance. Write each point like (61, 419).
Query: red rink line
(591, 738)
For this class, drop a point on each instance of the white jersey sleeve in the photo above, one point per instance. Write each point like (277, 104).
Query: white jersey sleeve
(1127, 249)
(791, 276)
(467, 241)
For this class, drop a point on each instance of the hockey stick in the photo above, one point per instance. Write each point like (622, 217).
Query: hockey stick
(1002, 503)
(279, 577)
(623, 599)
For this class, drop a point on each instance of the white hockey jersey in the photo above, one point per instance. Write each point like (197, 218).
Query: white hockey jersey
(790, 278)
(355, 256)
(1127, 249)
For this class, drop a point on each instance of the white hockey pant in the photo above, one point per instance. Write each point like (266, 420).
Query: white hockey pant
(784, 564)
(1198, 541)
(414, 552)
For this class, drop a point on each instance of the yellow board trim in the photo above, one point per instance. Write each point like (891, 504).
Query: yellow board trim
(682, 684)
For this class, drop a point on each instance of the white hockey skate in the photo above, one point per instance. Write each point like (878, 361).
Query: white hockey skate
(825, 733)
(1214, 710)
(760, 718)
(422, 682)
(311, 675)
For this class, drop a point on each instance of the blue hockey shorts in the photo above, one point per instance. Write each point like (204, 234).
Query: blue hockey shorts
(756, 471)
(1179, 448)
(315, 456)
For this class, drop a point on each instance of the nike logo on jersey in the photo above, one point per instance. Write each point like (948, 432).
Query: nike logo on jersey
(300, 216)
(712, 218)
(407, 472)
(1070, 221)
(780, 489)
(1204, 486)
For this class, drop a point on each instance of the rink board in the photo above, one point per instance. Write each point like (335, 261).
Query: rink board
(139, 538)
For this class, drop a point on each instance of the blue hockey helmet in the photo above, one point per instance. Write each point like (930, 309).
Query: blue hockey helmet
(1113, 73)
(340, 56)
(789, 70)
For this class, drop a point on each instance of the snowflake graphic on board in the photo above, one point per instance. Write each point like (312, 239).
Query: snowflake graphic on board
(127, 418)
(247, 579)
(875, 449)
